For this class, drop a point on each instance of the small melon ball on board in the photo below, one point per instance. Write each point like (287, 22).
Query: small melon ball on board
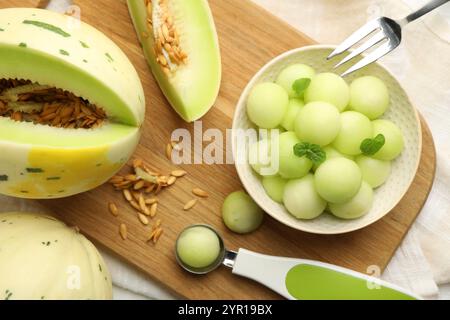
(375, 172)
(240, 213)
(357, 206)
(274, 187)
(294, 107)
(338, 180)
(290, 165)
(198, 247)
(332, 153)
(328, 87)
(355, 128)
(290, 74)
(260, 158)
(302, 200)
(370, 96)
(318, 123)
(394, 142)
(267, 104)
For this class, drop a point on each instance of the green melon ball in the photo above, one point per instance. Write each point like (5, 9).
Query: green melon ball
(357, 206)
(394, 142)
(290, 165)
(332, 153)
(302, 200)
(198, 247)
(240, 213)
(318, 123)
(287, 77)
(355, 128)
(267, 104)
(295, 105)
(259, 157)
(375, 172)
(338, 180)
(370, 96)
(328, 87)
(274, 187)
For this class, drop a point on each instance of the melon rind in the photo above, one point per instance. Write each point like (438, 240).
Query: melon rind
(38, 171)
(193, 88)
(43, 259)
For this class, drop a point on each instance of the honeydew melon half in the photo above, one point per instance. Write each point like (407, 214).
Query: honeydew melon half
(38, 161)
(190, 87)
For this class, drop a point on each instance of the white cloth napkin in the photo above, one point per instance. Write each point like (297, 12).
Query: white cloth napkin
(422, 64)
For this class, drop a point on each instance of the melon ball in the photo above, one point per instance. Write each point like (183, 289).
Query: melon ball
(302, 200)
(357, 206)
(355, 128)
(260, 158)
(287, 77)
(240, 213)
(370, 96)
(294, 107)
(328, 87)
(198, 247)
(318, 123)
(274, 187)
(394, 142)
(338, 180)
(375, 172)
(332, 153)
(291, 166)
(267, 104)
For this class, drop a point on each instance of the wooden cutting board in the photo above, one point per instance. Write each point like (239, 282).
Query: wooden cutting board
(249, 37)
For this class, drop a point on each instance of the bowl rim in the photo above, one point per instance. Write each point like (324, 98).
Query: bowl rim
(308, 229)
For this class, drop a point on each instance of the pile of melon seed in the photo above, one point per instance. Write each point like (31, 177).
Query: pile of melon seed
(140, 188)
(166, 37)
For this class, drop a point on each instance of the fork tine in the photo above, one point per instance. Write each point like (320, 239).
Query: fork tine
(358, 35)
(365, 46)
(375, 55)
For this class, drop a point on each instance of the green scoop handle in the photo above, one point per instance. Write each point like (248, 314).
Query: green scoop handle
(300, 279)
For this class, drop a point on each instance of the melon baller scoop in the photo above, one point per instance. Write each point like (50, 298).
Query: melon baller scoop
(300, 279)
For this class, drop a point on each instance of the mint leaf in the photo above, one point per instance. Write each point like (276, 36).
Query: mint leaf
(312, 151)
(371, 146)
(300, 85)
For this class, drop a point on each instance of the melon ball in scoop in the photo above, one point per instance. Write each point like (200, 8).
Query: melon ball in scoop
(198, 247)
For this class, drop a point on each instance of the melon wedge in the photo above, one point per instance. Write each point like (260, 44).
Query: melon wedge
(191, 85)
(41, 161)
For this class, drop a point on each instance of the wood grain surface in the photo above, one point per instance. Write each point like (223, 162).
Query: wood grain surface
(249, 37)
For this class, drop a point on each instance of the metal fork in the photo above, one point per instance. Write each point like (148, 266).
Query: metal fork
(385, 35)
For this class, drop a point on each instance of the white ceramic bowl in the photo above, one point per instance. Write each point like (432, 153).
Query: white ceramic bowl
(401, 113)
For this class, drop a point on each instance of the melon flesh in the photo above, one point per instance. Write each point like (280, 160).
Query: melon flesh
(192, 88)
(39, 161)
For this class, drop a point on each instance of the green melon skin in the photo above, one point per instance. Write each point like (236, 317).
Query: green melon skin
(193, 88)
(38, 161)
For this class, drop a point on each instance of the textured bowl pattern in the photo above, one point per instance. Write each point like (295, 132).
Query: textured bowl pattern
(404, 168)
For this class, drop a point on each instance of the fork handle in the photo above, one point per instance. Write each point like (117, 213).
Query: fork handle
(430, 6)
